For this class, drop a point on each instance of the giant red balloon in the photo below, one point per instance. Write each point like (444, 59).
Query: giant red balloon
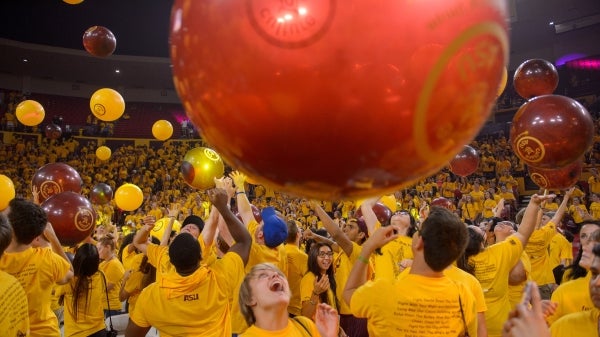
(395, 88)
(465, 162)
(442, 202)
(557, 179)
(383, 213)
(55, 178)
(71, 215)
(53, 131)
(551, 131)
(101, 194)
(99, 41)
(255, 213)
(535, 77)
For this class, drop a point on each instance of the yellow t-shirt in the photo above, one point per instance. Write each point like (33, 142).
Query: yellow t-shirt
(131, 260)
(297, 262)
(90, 318)
(577, 324)
(387, 265)
(595, 210)
(158, 256)
(113, 271)
(194, 305)
(294, 329)
(492, 267)
(572, 296)
(307, 286)
(488, 208)
(415, 305)
(560, 249)
(515, 293)
(133, 287)
(471, 283)
(13, 306)
(537, 249)
(343, 265)
(37, 269)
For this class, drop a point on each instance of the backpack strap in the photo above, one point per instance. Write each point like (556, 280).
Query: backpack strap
(297, 320)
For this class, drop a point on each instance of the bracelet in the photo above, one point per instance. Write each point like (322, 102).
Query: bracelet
(314, 293)
(363, 259)
(240, 192)
(312, 302)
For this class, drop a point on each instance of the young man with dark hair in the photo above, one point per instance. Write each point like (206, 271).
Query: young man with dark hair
(37, 269)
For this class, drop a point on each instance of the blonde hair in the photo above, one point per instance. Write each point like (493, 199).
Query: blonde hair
(245, 298)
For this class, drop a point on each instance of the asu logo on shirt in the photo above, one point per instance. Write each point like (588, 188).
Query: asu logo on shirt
(193, 297)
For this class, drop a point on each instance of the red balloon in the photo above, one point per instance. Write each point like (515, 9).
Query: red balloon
(557, 179)
(465, 162)
(53, 131)
(265, 80)
(535, 77)
(55, 178)
(101, 194)
(99, 41)
(71, 215)
(255, 212)
(442, 202)
(383, 213)
(551, 131)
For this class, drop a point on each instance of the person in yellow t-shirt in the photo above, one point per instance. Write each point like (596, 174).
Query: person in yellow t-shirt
(84, 295)
(13, 303)
(527, 319)
(297, 262)
(572, 294)
(193, 298)
(584, 323)
(560, 251)
(36, 269)
(489, 206)
(424, 302)
(595, 206)
(492, 265)
(578, 211)
(318, 284)
(113, 270)
(348, 238)
(263, 298)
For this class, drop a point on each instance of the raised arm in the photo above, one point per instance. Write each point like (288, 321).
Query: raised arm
(243, 204)
(333, 229)
(210, 227)
(369, 215)
(172, 215)
(243, 240)
(57, 248)
(560, 212)
(530, 218)
(140, 240)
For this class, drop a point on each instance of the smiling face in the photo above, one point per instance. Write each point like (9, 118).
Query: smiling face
(324, 258)
(269, 287)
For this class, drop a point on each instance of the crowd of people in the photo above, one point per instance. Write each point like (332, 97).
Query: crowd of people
(248, 260)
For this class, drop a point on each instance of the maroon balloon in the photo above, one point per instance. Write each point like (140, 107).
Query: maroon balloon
(535, 77)
(465, 162)
(442, 202)
(383, 213)
(551, 131)
(55, 178)
(101, 194)
(99, 41)
(53, 131)
(71, 215)
(255, 212)
(558, 179)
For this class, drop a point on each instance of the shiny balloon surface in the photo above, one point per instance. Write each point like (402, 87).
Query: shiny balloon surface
(72, 216)
(55, 178)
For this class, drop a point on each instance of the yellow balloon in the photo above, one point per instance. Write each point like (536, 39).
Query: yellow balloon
(129, 197)
(159, 227)
(107, 104)
(502, 82)
(73, 2)
(30, 113)
(7, 191)
(103, 152)
(162, 129)
(200, 166)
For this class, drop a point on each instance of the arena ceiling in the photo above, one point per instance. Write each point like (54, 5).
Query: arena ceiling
(48, 34)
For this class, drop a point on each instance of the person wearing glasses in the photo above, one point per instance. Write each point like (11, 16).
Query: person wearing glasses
(424, 301)
(318, 284)
(492, 265)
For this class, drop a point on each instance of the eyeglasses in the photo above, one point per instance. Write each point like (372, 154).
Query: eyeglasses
(401, 213)
(325, 254)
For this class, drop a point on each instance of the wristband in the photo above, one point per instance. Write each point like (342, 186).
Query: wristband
(240, 192)
(363, 259)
